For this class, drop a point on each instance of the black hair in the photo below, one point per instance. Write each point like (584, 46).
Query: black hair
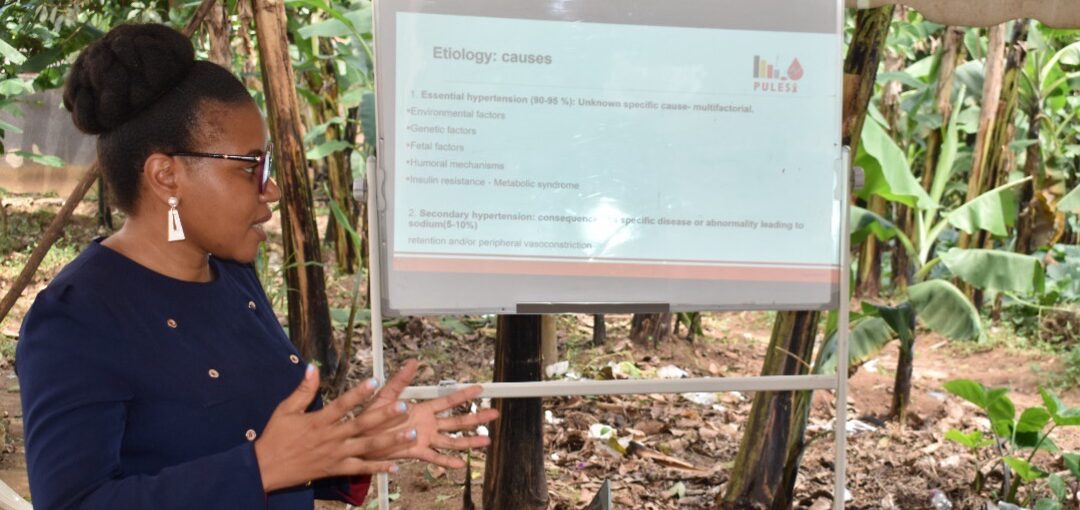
(139, 88)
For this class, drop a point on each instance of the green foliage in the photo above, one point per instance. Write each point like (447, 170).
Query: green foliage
(994, 211)
(945, 309)
(1016, 436)
(40, 38)
(886, 167)
(869, 335)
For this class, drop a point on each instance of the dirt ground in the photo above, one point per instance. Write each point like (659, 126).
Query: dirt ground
(692, 440)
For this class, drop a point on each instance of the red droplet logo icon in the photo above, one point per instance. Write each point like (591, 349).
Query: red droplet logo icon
(795, 70)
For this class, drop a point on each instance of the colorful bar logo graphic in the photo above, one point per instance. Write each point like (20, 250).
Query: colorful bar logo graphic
(764, 69)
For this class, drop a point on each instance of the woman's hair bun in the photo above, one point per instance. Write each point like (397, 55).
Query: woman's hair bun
(123, 73)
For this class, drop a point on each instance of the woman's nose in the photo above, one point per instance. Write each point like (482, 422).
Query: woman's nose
(272, 193)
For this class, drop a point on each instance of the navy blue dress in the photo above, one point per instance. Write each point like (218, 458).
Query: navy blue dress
(140, 391)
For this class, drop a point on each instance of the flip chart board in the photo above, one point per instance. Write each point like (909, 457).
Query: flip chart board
(671, 155)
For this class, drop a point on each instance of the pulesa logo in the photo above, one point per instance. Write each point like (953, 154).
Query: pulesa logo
(769, 78)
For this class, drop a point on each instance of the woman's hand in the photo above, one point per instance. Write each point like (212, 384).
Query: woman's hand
(297, 446)
(423, 418)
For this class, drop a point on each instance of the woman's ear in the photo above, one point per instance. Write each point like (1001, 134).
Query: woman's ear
(160, 175)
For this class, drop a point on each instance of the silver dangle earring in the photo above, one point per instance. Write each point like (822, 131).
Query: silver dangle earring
(176, 230)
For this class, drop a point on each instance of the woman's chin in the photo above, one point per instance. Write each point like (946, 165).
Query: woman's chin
(248, 248)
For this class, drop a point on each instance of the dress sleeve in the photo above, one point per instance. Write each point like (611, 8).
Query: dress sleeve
(350, 489)
(74, 399)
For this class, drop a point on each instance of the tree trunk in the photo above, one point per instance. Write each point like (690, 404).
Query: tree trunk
(771, 449)
(309, 311)
(902, 383)
(654, 327)
(891, 109)
(338, 171)
(864, 52)
(869, 261)
(219, 28)
(514, 477)
(1000, 159)
(991, 95)
(868, 279)
(952, 52)
(763, 476)
(1033, 202)
(599, 331)
(246, 17)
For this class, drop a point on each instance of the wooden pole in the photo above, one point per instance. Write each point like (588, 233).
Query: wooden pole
(309, 311)
(514, 477)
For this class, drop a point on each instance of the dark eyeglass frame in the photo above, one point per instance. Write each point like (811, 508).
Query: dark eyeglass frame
(265, 161)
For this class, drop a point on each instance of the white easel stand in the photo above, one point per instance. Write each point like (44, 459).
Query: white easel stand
(837, 382)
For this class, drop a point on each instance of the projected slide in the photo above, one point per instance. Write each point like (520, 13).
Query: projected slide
(538, 154)
(556, 147)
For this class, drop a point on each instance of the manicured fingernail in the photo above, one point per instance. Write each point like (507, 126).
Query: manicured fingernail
(310, 370)
(411, 434)
(402, 407)
(373, 383)
(393, 469)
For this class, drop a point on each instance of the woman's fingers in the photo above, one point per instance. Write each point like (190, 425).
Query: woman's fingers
(369, 447)
(455, 399)
(384, 417)
(348, 400)
(466, 421)
(304, 393)
(397, 383)
(459, 443)
(356, 466)
(432, 457)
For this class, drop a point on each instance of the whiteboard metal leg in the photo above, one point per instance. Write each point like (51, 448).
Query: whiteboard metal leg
(378, 362)
(843, 329)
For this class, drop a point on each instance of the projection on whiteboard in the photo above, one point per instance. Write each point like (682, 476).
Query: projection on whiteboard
(605, 157)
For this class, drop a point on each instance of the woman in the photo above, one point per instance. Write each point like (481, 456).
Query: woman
(153, 372)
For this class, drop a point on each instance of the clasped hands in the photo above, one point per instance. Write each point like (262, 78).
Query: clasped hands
(298, 446)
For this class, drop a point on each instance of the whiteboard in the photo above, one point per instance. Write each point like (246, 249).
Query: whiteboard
(599, 155)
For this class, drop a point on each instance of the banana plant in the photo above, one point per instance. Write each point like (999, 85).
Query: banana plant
(888, 174)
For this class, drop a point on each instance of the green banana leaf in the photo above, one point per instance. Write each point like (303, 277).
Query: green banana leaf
(947, 159)
(864, 223)
(868, 336)
(886, 169)
(994, 211)
(944, 309)
(999, 270)
(1070, 202)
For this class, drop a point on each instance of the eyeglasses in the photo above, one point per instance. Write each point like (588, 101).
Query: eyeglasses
(264, 160)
